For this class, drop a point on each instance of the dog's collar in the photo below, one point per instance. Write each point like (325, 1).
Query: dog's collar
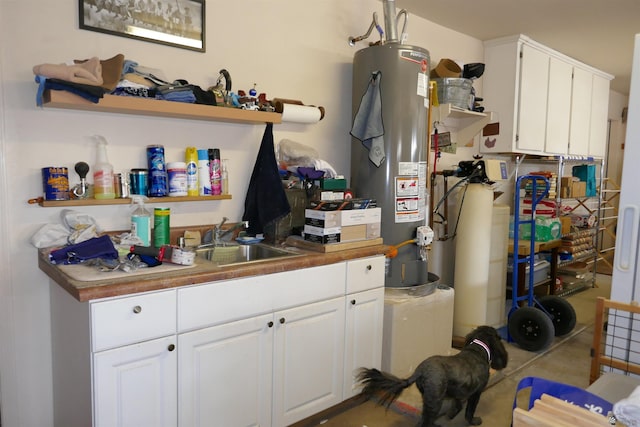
(483, 345)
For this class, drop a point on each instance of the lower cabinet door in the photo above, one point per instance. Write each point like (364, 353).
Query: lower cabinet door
(136, 385)
(308, 360)
(363, 340)
(225, 374)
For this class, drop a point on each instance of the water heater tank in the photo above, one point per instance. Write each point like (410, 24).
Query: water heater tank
(399, 182)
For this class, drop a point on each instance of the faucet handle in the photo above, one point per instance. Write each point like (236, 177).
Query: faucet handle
(224, 219)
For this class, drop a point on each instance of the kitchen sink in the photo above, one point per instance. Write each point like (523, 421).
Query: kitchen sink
(242, 254)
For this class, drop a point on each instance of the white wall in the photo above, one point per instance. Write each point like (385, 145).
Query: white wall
(290, 48)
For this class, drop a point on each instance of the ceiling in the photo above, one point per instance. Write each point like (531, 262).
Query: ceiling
(599, 33)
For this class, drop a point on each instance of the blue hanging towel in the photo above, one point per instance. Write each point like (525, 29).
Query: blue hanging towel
(367, 124)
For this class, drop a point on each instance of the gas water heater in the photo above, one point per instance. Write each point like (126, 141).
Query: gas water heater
(388, 147)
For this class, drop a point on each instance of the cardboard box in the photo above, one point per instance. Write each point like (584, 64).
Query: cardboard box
(322, 219)
(360, 216)
(578, 189)
(351, 233)
(333, 184)
(566, 225)
(322, 235)
(331, 195)
(373, 230)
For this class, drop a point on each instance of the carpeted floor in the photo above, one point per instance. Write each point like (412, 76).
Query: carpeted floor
(566, 360)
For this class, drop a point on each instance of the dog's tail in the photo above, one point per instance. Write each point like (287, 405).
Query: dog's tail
(385, 386)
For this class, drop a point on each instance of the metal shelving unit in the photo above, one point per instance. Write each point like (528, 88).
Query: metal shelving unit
(590, 206)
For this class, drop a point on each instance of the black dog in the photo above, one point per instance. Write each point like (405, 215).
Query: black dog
(460, 377)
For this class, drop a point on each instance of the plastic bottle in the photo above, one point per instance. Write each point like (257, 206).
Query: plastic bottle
(102, 172)
(161, 226)
(214, 166)
(141, 221)
(204, 175)
(225, 177)
(191, 159)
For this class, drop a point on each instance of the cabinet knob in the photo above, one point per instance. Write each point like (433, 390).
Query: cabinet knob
(171, 347)
(137, 309)
(369, 267)
(353, 302)
(270, 324)
(282, 320)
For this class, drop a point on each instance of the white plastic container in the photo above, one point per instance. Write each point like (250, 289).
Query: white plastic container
(177, 173)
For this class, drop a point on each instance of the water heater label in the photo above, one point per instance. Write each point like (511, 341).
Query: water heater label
(410, 192)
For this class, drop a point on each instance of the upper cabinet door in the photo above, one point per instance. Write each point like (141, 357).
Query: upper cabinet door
(558, 107)
(534, 80)
(599, 128)
(580, 112)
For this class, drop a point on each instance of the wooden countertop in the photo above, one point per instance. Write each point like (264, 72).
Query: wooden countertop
(200, 273)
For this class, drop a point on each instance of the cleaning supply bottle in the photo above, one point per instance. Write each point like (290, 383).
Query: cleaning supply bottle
(102, 172)
(214, 168)
(141, 221)
(204, 175)
(225, 177)
(191, 159)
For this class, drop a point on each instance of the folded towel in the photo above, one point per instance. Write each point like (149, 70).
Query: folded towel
(367, 124)
(628, 410)
(266, 200)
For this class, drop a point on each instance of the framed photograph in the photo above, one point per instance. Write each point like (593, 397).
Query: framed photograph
(178, 23)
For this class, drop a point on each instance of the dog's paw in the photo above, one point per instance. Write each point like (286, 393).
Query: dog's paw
(475, 421)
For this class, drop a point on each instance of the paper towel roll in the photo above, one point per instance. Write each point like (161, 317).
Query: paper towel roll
(301, 113)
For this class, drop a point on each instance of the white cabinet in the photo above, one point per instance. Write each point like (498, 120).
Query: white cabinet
(558, 108)
(308, 360)
(364, 319)
(136, 385)
(546, 103)
(255, 351)
(599, 123)
(580, 112)
(273, 369)
(363, 344)
(226, 374)
(530, 120)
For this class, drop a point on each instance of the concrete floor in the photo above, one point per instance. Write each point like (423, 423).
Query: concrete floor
(566, 360)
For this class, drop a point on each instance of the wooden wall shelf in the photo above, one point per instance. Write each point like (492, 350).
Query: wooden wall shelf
(127, 201)
(157, 108)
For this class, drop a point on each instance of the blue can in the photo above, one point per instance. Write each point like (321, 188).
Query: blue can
(157, 171)
(55, 183)
(139, 182)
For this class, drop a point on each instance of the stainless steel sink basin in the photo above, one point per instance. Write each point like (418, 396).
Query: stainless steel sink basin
(242, 254)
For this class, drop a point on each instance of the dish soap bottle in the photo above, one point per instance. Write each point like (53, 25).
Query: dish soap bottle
(102, 172)
(141, 221)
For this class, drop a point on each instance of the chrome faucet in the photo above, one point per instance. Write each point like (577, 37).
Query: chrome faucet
(219, 233)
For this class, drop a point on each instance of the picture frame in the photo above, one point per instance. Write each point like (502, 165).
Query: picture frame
(177, 23)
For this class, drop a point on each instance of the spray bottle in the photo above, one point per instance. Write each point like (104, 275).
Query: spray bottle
(141, 221)
(102, 172)
(191, 159)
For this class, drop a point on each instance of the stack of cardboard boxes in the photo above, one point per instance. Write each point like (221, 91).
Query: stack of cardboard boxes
(341, 221)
